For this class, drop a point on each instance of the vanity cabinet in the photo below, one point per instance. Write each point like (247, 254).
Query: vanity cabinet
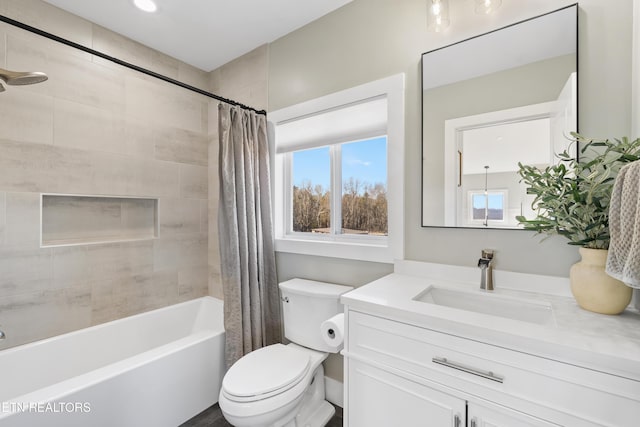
(487, 415)
(380, 398)
(402, 374)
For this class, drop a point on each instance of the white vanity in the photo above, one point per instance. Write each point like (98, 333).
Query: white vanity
(425, 347)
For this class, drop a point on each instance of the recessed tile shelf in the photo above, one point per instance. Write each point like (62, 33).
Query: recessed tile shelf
(68, 219)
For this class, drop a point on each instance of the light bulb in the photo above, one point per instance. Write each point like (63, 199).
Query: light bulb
(146, 5)
(437, 15)
(487, 6)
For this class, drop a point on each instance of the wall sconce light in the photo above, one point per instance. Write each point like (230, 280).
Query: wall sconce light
(437, 15)
(485, 7)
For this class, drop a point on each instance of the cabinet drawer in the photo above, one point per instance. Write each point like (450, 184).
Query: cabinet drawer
(514, 379)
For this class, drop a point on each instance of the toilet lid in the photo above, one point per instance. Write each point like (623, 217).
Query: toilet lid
(269, 370)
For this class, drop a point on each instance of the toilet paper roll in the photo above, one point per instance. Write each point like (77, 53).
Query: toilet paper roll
(333, 331)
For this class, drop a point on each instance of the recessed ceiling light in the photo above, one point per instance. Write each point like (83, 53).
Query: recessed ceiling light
(146, 5)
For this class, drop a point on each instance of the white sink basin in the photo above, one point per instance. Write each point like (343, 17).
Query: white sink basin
(525, 310)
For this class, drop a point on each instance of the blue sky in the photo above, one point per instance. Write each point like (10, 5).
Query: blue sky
(365, 160)
(495, 201)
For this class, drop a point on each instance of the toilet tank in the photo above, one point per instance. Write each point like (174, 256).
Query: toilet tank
(305, 305)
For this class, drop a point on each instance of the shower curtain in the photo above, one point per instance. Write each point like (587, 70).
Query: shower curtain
(247, 257)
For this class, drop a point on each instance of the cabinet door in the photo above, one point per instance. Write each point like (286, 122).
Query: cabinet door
(380, 399)
(489, 415)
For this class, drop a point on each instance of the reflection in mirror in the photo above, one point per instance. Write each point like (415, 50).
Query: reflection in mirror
(488, 103)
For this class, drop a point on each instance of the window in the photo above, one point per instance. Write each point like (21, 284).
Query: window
(356, 172)
(311, 190)
(364, 204)
(487, 206)
(336, 193)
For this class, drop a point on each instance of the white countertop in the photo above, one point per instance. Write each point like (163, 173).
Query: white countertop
(596, 341)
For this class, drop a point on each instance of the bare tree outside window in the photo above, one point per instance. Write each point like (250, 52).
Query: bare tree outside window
(311, 208)
(364, 208)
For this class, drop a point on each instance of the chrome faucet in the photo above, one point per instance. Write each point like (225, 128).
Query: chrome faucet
(486, 269)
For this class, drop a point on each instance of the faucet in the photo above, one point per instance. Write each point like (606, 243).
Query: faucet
(486, 269)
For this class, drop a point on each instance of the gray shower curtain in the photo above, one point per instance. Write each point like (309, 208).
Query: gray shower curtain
(248, 268)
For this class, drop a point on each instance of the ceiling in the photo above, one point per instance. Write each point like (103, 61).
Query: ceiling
(203, 33)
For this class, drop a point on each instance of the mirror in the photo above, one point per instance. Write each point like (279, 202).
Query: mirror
(489, 102)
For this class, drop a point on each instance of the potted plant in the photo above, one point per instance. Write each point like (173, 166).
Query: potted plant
(572, 200)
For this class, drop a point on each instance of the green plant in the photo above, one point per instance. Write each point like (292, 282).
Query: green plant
(572, 197)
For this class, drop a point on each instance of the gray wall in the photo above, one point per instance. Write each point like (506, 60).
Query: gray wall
(370, 39)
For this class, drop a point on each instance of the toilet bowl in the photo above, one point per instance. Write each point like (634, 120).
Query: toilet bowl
(283, 385)
(275, 385)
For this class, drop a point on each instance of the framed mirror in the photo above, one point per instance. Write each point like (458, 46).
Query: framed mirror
(489, 102)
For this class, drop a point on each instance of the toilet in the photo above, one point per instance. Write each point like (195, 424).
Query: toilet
(283, 385)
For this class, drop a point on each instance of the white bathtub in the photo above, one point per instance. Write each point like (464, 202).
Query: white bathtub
(158, 368)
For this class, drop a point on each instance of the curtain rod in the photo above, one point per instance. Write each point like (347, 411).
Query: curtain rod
(124, 63)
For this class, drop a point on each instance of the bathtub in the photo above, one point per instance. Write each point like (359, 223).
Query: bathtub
(158, 368)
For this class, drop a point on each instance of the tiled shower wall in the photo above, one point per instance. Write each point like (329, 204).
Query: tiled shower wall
(96, 128)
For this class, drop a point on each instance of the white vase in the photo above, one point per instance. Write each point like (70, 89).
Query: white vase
(593, 288)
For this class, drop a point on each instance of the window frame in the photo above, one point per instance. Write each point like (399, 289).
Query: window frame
(361, 247)
(505, 203)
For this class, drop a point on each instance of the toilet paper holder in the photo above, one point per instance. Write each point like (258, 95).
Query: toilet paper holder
(333, 331)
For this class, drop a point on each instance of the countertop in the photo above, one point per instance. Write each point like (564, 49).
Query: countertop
(600, 342)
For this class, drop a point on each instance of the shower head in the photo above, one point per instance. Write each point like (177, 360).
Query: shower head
(17, 78)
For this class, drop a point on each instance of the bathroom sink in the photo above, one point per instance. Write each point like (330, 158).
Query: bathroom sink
(525, 310)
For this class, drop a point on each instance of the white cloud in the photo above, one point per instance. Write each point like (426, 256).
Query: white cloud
(353, 162)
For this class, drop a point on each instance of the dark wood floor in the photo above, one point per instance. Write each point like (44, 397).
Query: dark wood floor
(212, 417)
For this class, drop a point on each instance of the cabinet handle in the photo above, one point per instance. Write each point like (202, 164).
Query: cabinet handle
(456, 421)
(459, 168)
(484, 374)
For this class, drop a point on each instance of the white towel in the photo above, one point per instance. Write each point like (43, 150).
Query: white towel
(623, 261)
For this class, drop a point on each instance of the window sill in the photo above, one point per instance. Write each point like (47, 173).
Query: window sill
(372, 252)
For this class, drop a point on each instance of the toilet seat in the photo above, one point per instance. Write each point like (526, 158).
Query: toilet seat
(265, 373)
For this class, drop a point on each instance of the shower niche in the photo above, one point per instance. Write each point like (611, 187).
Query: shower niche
(68, 220)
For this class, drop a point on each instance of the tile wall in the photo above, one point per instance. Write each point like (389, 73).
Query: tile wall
(96, 128)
